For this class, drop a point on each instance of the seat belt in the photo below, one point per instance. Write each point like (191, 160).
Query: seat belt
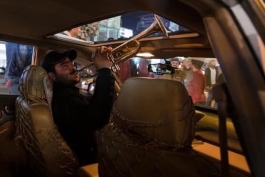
(222, 97)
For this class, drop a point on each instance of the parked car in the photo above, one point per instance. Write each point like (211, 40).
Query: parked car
(2, 74)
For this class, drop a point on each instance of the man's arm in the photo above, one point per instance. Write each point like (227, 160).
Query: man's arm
(94, 115)
(196, 87)
(208, 77)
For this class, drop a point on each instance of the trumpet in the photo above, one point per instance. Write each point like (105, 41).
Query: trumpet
(132, 46)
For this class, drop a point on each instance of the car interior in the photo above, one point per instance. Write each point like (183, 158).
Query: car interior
(146, 136)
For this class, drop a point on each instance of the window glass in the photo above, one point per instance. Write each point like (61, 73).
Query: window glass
(197, 74)
(121, 27)
(13, 59)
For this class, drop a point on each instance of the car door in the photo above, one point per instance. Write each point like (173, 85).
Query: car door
(237, 38)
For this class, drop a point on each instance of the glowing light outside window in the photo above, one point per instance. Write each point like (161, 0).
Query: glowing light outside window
(145, 55)
(124, 32)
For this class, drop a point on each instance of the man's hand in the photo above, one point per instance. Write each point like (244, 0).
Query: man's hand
(101, 57)
(9, 83)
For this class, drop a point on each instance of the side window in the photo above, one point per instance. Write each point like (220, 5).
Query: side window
(14, 58)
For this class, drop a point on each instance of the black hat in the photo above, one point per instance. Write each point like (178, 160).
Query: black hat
(54, 57)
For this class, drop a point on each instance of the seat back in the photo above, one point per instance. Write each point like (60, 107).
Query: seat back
(48, 153)
(159, 109)
(151, 132)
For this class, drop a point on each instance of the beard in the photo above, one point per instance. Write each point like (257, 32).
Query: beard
(66, 79)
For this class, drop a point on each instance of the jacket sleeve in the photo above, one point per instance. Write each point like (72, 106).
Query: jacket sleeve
(196, 87)
(208, 77)
(94, 115)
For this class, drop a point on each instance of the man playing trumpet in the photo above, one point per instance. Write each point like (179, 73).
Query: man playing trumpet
(77, 118)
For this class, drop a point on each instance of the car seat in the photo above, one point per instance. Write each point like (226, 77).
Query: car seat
(151, 132)
(48, 154)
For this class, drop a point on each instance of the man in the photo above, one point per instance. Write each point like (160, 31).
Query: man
(18, 56)
(196, 86)
(75, 116)
(74, 32)
(211, 74)
(186, 65)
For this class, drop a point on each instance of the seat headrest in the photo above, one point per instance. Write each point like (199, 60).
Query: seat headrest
(31, 83)
(158, 109)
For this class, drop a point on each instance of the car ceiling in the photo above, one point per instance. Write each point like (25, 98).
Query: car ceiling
(30, 21)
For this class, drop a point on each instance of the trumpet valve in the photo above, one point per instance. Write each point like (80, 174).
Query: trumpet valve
(114, 66)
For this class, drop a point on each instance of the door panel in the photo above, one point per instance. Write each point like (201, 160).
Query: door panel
(11, 153)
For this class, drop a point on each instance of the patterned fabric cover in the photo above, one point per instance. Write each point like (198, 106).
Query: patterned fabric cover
(48, 153)
(48, 87)
(150, 134)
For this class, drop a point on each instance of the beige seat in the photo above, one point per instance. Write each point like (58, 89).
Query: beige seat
(12, 152)
(151, 132)
(48, 154)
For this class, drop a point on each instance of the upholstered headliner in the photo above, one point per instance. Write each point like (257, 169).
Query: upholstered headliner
(30, 21)
(35, 19)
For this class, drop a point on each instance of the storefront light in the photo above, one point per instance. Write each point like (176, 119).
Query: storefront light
(144, 55)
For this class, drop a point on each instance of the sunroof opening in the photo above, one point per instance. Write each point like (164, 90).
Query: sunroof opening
(122, 27)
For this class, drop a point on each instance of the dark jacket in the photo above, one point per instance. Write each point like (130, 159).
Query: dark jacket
(17, 61)
(77, 118)
(208, 76)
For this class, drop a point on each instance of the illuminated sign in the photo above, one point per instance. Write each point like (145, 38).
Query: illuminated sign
(124, 32)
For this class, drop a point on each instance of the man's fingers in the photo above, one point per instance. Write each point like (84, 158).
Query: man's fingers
(109, 49)
(104, 49)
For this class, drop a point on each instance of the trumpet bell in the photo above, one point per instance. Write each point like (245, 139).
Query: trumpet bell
(126, 50)
(161, 25)
(132, 46)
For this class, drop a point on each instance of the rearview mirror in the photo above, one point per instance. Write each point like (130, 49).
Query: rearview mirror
(160, 69)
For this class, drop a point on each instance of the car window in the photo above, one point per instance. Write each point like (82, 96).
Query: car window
(14, 58)
(198, 82)
(121, 27)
